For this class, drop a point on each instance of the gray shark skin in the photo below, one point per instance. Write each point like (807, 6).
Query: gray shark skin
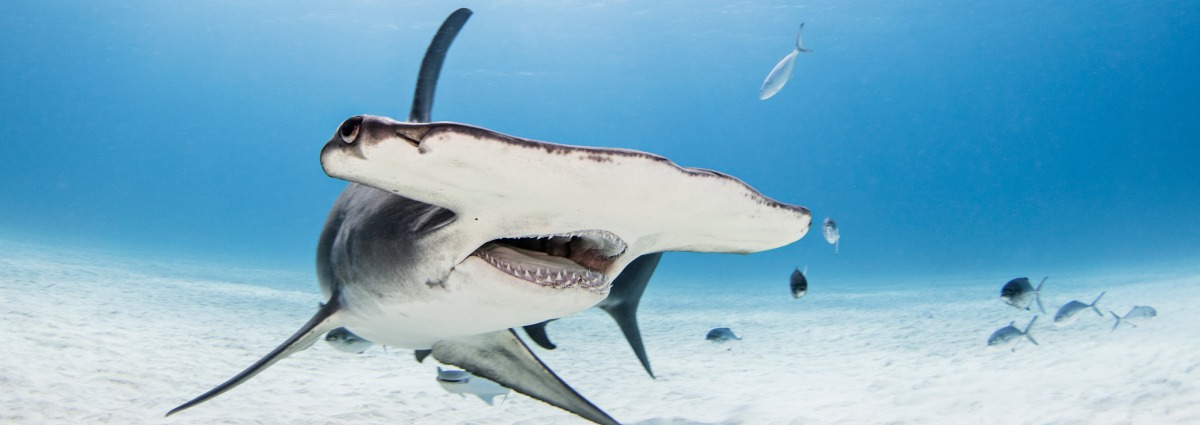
(321, 323)
(621, 305)
(445, 237)
(537, 331)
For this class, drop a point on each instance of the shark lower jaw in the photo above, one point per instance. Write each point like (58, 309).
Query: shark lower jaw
(563, 261)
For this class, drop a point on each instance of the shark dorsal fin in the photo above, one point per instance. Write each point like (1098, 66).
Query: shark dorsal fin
(431, 65)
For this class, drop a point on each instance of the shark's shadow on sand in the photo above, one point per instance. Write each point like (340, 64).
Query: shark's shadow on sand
(449, 235)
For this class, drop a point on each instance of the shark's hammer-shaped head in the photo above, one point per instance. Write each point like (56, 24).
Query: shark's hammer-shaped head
(533, 214)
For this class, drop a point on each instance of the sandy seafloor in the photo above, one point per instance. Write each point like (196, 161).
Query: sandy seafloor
(97, 338)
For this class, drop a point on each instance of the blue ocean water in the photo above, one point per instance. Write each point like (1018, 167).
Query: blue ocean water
(946, 138)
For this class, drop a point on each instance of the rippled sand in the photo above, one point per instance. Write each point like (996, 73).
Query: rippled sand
(101, 339)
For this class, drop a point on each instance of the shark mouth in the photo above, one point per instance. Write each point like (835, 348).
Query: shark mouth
(571, 260)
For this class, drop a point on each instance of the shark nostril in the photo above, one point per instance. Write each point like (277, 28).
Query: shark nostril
(349, 129)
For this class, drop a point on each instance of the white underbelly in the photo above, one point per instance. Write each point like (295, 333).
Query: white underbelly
(477, 298)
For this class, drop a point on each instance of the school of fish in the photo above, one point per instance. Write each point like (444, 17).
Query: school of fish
(1020, 294)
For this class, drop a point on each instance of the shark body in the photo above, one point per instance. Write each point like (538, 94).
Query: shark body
(450, 234)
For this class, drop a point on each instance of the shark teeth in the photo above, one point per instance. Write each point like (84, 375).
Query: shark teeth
(566, 260)
(545, 275)
(605, 243)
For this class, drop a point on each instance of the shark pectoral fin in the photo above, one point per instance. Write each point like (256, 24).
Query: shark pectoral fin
(502, 357)
(623, 300)
(537, 332)
(421, 355)
(324, 321)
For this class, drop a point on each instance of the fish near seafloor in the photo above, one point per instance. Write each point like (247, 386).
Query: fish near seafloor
(1069, 312)
(344, 340)
(1020, 293)
(830, 230)
(448, 235)
(1137, 313)
(783, 70)
(462, 382)
(721, 335)
(1011, 335)
(799, 283)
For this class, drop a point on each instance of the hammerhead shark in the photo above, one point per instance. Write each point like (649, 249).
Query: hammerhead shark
(449, 235)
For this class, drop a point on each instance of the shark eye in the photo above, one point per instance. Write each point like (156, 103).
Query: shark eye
(349, 129)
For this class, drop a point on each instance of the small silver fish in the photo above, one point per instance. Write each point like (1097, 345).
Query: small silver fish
(721, 335)
(344, 340)
(1068, 313)
(462, 382)
(1011, 335)
(783, 70)
(1138, 313)
(1020, 294)
(831, 233)
(799, 283)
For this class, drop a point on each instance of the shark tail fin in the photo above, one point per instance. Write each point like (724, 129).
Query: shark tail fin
(537, 332)
(800, 40)
(626, 318)
(431, 65)
(1029, 328)
(1118, 323)
(502, 357)
(626, 295)
(1093, 304)
(322, 322)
